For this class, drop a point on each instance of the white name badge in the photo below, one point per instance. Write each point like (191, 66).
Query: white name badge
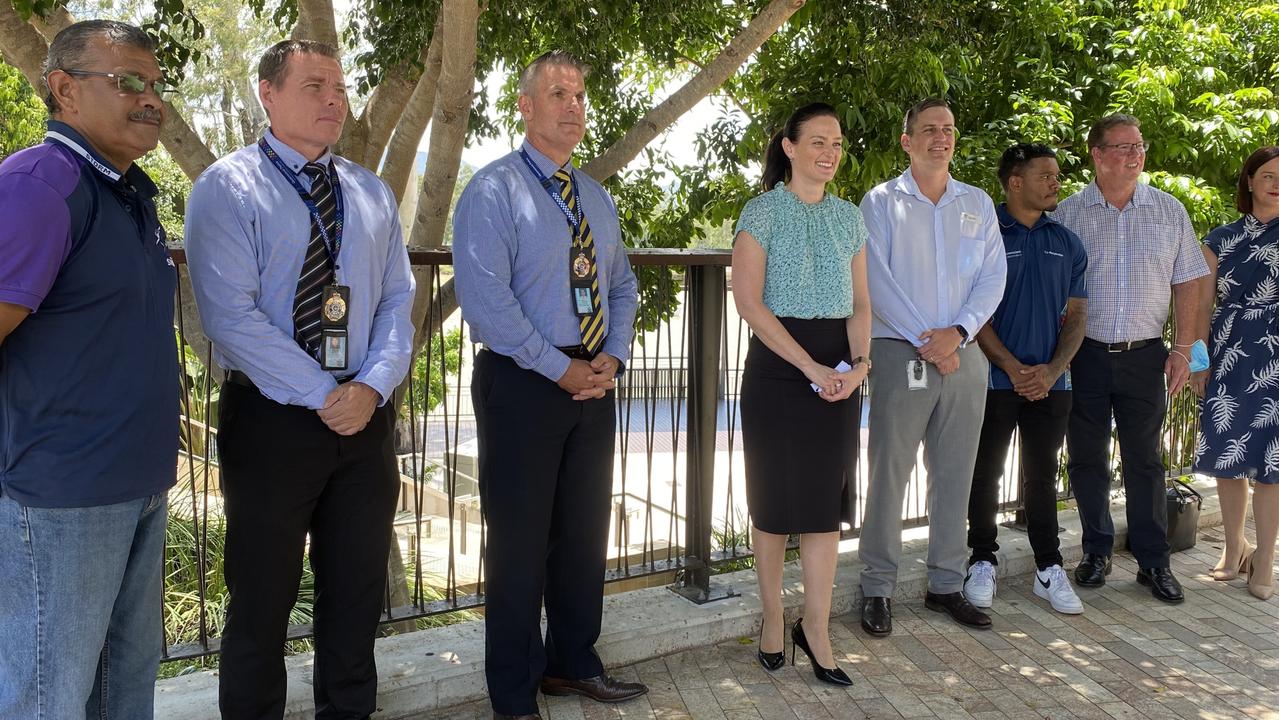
(916, 375)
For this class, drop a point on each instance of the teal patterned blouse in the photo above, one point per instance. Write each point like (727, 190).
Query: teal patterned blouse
(810, 249)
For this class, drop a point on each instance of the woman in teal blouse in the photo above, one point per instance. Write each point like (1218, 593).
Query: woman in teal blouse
(799, 281)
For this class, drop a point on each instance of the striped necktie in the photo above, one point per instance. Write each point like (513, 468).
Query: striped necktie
(592, 326)
(317, 268)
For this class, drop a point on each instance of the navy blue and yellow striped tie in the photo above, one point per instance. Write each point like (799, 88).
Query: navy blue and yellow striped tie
(592, 326)
(317, 267)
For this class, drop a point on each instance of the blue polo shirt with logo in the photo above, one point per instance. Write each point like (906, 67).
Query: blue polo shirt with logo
(1046, 266)
(89, 379)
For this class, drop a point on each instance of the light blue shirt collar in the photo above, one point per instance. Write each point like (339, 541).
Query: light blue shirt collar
(543, 163)
(906, 183)
(294, 159)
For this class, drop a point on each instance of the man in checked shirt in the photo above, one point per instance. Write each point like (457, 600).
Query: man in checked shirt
(1142, 252)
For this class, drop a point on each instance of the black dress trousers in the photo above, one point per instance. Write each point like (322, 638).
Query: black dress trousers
(546, 477)
(1130, 385)
(285, 476)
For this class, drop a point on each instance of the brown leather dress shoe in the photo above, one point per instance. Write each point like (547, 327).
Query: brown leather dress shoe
(959, 609)
(601, 688)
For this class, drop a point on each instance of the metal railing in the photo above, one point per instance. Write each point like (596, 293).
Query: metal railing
(678, 493)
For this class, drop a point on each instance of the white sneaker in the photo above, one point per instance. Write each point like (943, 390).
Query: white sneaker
(1052, 585)
(979, 585)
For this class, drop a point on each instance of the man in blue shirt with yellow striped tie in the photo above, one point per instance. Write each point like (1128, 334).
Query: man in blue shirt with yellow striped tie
(543, 280)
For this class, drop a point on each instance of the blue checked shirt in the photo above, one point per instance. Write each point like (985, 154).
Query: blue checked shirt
(1135, 256)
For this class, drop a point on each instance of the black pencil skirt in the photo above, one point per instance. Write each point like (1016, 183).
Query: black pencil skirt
(799, 449)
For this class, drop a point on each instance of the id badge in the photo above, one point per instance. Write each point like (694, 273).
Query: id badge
(332, 349)
(968, 224)
(335, 306)
(579, 281)
(916, 375)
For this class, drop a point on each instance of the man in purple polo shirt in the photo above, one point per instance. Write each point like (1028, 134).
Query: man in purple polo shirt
(88, 389)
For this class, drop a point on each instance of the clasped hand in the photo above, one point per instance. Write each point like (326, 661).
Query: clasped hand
(590, 380)
(348, 408)
(1033, 382)
(835, 386)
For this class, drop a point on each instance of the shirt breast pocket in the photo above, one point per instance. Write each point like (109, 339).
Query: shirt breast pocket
(971, 250)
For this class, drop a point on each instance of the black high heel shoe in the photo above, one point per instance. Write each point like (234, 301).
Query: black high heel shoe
(833, 676)
(770, 660)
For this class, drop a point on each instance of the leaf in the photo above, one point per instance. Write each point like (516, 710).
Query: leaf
(1268, 415)
(1223, 407)
(1267, 377)
(1235, 452)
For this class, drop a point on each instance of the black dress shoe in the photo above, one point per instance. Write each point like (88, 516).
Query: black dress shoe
(601, 688)
(877, 616)
(959, 609)
(1092, 570)
(499, 716)
(1162, 584)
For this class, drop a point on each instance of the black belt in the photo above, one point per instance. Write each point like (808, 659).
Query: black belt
(579, 352)
(1122, 346)
(239, 378)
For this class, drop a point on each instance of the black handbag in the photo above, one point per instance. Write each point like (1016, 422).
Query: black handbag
(1184, 504)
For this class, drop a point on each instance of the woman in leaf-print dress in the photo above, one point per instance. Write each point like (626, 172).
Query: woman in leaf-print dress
(1239, 438)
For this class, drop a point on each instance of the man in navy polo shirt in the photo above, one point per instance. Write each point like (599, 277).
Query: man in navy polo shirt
(88, 389)
(1029, 346)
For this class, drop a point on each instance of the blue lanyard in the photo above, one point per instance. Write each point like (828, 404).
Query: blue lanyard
(334, 244)
(574, 219)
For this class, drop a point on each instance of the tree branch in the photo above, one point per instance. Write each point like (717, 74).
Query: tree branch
(620, 153)
(316, 21)
(50, 26)
(402, 152)
(384, 111)
(448, 124)
(21, 46)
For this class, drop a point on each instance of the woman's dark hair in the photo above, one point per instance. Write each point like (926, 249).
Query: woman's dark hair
(776, 164)
(1243, 196)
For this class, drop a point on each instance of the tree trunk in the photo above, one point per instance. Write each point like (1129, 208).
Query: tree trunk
(620, 153)
(448, 124)
(21, 46)
(253, 122)
(385, 109)
(227, 106)
(401, 154)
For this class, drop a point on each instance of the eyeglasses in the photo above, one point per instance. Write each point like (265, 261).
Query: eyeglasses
(1128, 148)
(130, 84)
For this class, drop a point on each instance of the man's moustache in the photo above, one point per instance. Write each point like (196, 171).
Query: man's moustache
(148, 115)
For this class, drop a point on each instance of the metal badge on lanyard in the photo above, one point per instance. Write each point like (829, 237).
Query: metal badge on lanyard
(335, 301)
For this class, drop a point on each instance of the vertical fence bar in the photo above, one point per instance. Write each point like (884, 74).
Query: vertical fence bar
(706, 289)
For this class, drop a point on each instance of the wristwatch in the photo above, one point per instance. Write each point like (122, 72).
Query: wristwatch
(861, 359)
(962, 332)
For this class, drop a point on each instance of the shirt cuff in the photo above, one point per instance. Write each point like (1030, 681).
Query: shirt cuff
(379, 382)
(26, 299)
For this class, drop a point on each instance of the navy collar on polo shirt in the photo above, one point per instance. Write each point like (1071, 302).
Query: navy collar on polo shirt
(135, 179)
(1006, 219)
(295, 160)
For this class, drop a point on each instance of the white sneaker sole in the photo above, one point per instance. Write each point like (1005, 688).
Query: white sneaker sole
(980, 602)
(1042, 592)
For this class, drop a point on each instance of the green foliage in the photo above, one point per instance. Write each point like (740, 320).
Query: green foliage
(174, 187)
(22, 122)
(431, 369)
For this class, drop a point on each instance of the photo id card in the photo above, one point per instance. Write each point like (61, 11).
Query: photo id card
(333, 349)
(582, 304)
(916, 375)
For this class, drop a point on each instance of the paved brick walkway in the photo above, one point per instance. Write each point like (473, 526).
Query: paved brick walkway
(1129, 656)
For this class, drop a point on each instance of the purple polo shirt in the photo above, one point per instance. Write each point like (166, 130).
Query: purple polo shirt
(89, 379)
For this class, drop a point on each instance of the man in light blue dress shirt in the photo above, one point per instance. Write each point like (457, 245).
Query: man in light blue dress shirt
(542, 389)
(936, 273)
(305, 451)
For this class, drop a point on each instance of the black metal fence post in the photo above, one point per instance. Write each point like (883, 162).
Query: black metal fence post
(706, 291)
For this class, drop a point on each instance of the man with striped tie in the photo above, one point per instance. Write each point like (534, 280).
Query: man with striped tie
(303, 285)
(544, 282)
